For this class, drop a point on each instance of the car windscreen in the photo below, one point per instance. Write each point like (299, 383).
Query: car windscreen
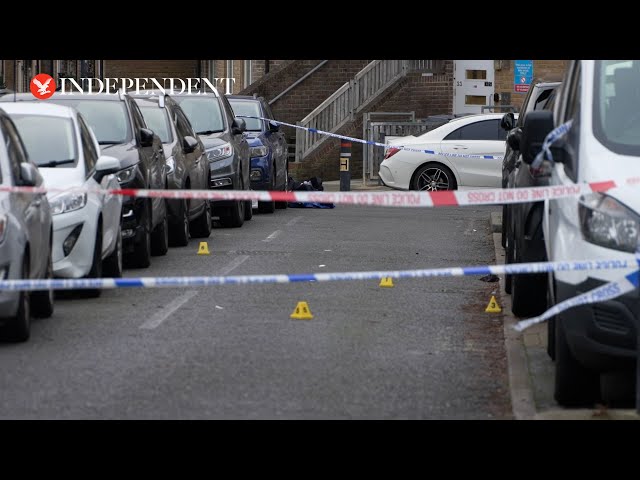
(247, 108)
(616, 105)
(203, 112)
(157, 120)
(50, 141)
(108, 119)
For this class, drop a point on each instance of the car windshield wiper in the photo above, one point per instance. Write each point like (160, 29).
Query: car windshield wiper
(108, 142)
(55, 163)
(207, 132)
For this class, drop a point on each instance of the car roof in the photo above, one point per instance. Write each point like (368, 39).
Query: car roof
(28, 97)
(39, 108)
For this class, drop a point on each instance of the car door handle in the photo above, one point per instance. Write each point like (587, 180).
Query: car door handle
(460, 147)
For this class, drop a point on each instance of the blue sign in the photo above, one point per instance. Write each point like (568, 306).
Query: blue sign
(522, 75)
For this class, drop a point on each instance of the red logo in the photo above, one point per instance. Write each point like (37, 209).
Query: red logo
(42, 86)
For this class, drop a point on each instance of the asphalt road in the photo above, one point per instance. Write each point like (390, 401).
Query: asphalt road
(424, 349)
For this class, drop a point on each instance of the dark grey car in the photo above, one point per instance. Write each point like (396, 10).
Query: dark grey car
(25, 237)
(227, 150)
(187, 165)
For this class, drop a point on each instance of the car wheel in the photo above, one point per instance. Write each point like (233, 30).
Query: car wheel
(112, 265)
(42, 300)
(433, 177)
(160, 238)
(575, 385)
(269, 207)
(142, 251)
(179, 232)
(18, 328)
(283, 205)
(248, 210)
(96, 267)
(201, 226)
(233, 217)
(529, 291)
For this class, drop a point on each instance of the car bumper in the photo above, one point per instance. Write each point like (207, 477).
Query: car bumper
(388, 180)
(78, 263)
(261, 165)
(223, 176)
(601, 336)
(132, 231)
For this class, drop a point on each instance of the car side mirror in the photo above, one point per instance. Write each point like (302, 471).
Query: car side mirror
(537, 126)
(106, 165)
(514, 137)
(146, 137)
(508, 121)
(238, 126)
(189, 144)
(29, 175)
(273, 126)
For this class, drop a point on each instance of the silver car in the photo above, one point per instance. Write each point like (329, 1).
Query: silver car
(25, 237)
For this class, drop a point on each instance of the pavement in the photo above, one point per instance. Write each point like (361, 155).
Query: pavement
(531, 371)
(357, 184)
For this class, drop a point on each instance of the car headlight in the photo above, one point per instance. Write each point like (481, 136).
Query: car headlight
(219, 152)
(608, 223)
(67, 202)
(3, 227)
(260, 151)
(171, 165)
(126, 174)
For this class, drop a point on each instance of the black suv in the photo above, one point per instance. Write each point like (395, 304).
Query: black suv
(227, 150)
(187, 164)
(122, 132)
(522, 222)
(269, 152)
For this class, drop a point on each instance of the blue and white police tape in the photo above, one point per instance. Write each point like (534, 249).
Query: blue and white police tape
(552, 136)
(607, 291)
(203, 281)
(377, 144)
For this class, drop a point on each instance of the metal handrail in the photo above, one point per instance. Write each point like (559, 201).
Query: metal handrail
(297, 82)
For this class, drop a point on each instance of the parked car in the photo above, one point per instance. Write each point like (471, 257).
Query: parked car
(187, 165)
(25, 237)
(595, 345)
(269, 152)
(122, 133)
(472, 135)
(87, 241)
(522, 222)
(227, 150)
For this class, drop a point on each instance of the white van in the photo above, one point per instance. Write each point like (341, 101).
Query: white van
(597, 342)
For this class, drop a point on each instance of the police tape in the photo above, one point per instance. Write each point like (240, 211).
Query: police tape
(202, 281)
(491, 196)
(377, 144)
(552, 136)
(608, 291)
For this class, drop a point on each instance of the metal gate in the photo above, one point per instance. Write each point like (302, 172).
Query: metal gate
(377, 126)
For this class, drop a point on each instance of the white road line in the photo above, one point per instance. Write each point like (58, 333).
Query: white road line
(272, 236)
(168, 310)
(292, 221)
(236, 262)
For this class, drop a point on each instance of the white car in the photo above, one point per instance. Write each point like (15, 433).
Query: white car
(87, 240)
(472, 135)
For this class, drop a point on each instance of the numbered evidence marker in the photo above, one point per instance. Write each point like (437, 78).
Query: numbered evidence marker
(493, 306)
(386, 282)
(302, 312)
(203, 249)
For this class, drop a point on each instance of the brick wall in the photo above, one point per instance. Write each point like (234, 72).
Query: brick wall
(542, 69)
(151, 68)
(424, 95)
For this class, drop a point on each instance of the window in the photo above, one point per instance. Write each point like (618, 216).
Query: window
(248, 77)
(483, 130)
(48, 139)
(15, 149)
(250, 108)
(203, 112)
(138, 119)
(476, 74)
(108, 119)
(157, 119)
(88, 147)
(183, 125)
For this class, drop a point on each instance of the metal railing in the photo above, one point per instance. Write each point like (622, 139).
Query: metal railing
(297, 82)
(355, 95)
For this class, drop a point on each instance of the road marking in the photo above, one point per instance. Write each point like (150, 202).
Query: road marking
(236, 262)
(292, 221)
(272, 236)
(168, 310)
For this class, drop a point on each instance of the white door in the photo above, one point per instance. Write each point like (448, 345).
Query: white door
(473, 85)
